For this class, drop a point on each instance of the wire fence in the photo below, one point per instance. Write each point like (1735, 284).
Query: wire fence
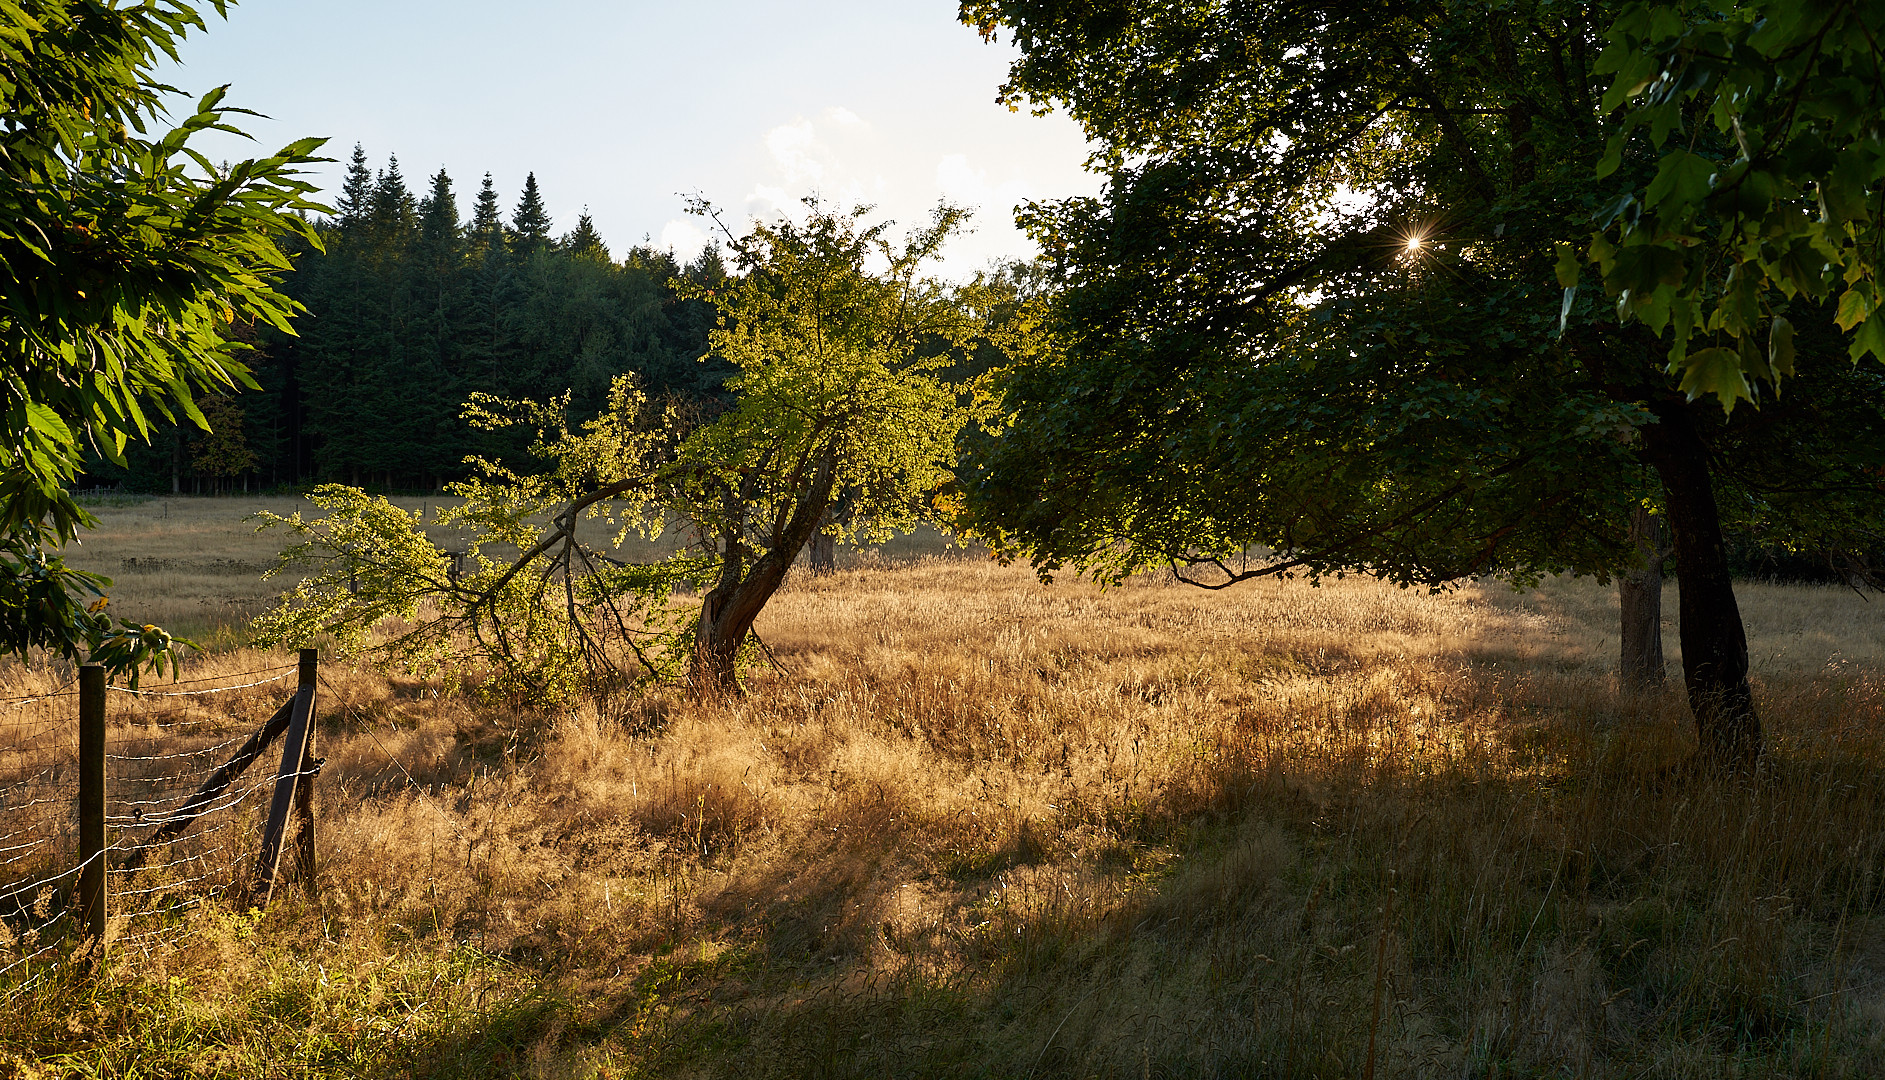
(185, 819)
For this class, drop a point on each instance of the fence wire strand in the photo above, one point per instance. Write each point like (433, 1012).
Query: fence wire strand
(161, 749)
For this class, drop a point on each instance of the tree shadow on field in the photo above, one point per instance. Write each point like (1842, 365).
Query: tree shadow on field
(1558, 895)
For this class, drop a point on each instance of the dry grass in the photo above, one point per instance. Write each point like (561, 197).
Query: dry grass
(980, 827)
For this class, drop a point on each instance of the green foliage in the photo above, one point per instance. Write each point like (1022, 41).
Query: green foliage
(223, 450)
(830, 381)
(1768, 185)
(126, 263)
(1243, 352)
(413, 312)
(831, 393)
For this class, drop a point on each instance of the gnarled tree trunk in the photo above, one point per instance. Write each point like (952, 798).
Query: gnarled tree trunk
(1714, 643)
(726, 618)
(1639, 592)
(729, 608)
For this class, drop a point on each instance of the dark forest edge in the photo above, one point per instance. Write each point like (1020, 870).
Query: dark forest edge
(410, 311)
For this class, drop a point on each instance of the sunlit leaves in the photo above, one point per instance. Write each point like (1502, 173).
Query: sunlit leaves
(837, 394)
(1781, 195)
(125, 262)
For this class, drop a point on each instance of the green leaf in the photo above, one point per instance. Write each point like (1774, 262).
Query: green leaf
(1780, 347)
(1644, 267)
(1564, 310)
(1638, 71)
(1715, 371)
(1753, 361)
(47, 423)
(1612, 159)
(1855, 306)
(1778, 28)
(1870, 338)
(1682, 181)
(1569, 266)
(1846, 192)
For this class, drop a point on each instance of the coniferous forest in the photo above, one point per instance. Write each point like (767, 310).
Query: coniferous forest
(412, 306)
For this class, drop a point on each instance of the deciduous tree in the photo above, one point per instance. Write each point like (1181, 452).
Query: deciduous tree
(126, 259)
(822, 321)
(1315, 312)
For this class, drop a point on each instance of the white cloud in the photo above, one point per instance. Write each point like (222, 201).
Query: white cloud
(796, 151)
(845, 160)
(684, 238)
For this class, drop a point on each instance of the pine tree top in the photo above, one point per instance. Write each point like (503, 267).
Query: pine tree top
(584, 239)
(356, 191)
(486, 219)
(531, 222)
(438, 211)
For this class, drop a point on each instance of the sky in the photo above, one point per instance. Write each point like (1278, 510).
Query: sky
(625, 107)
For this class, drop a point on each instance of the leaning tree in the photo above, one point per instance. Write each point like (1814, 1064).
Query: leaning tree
(1325, 307)
(838, 337)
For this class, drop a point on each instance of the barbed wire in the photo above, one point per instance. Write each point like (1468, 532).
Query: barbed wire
(198, 865)
(231, 741)
(56, 785)
(43, 950)
(68, 690)
(136, 822)
(170, 886)
(19, 890)
(42, 842)
(206, 690)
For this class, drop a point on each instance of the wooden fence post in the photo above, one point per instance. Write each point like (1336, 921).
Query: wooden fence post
(91, 895)
(295, 758)
(304, 791)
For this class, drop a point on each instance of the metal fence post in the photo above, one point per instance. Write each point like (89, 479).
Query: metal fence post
(91, 895)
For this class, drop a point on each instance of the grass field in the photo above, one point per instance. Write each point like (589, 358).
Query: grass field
(977, 826)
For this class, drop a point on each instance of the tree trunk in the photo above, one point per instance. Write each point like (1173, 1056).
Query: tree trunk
(728, 610)
(726, 618)
(824, 551)
(1714, 643)
(1640, 592)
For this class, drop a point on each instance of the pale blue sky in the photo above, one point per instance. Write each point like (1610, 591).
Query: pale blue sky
(621, 106)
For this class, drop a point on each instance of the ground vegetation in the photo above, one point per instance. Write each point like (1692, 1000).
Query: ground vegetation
(977, 826)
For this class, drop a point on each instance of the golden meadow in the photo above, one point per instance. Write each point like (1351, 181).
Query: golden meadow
(972, 825)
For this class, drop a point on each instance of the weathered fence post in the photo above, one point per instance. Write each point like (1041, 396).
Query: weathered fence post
(296, 758)
(91, 894)
(304, 790)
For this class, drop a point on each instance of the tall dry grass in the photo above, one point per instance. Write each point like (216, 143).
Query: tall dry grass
(976, 826)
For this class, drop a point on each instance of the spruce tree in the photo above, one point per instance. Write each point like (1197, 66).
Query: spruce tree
(584, 240)
(395, 216)
(436, 355)
(487, 222)
(356, 191)
(531, 223)
(438, 212)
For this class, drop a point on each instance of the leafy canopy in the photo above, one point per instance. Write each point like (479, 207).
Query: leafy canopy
(126, 260)
(1768, 181)
(1312, 312)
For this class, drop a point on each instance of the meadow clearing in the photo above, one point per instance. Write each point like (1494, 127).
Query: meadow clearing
(972, 825)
